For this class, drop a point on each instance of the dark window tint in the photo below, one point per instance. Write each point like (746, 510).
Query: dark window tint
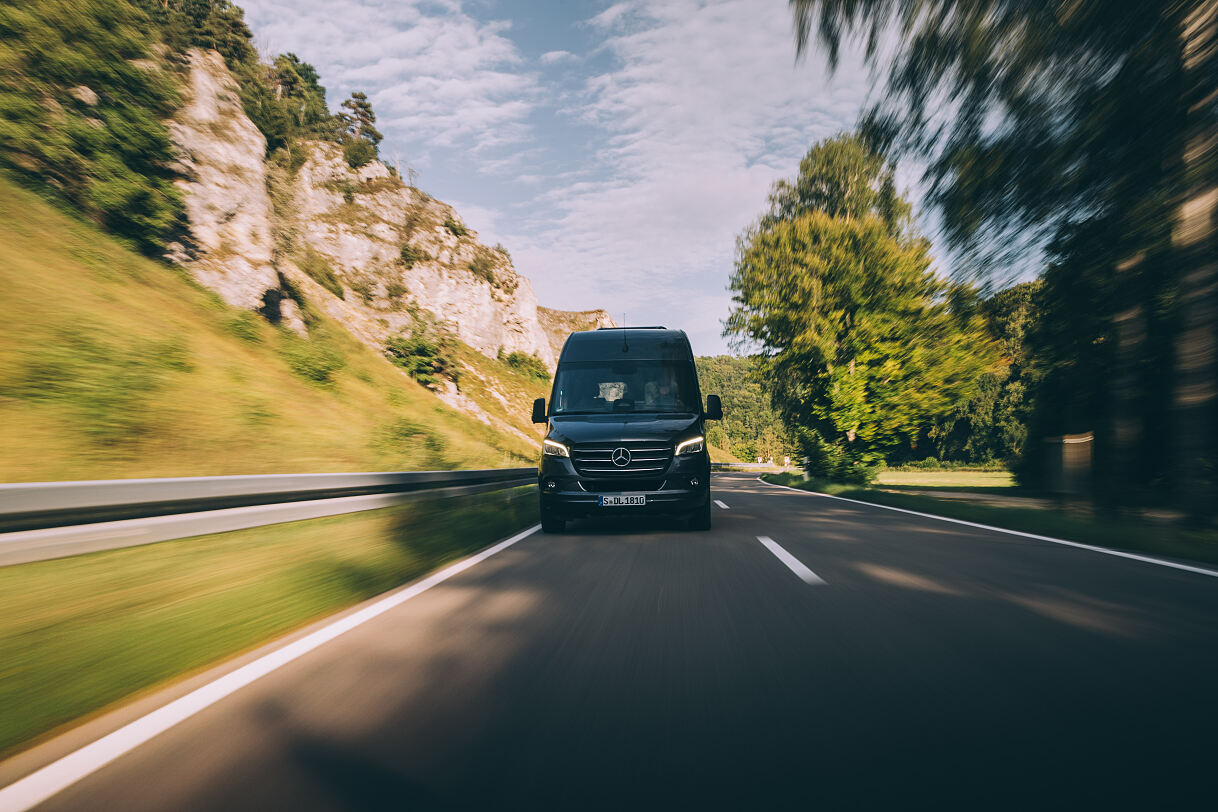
(604, 387)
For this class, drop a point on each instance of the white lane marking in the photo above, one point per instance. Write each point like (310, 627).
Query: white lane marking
(59, 775)
(793, 564)
(1105, 550)
(720, 504)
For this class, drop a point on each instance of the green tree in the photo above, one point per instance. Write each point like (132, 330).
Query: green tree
(842, 177)
(864, 344)
(750, 426)
(359, 136)
(359, 119)
(1086, 127)
(82, 104)
(993, 425)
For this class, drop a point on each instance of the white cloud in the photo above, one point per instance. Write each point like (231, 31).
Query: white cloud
(431, 70)
(657, 164)
(613, 15)
(552, 57)
(704, 111)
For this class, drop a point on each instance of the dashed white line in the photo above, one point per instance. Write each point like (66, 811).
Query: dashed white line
(793, 564)
(720, 504)
(1105, 550)
(59, 775)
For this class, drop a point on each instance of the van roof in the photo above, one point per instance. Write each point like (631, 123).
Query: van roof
(635, 343)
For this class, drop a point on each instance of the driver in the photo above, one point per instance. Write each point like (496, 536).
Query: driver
(662, 393)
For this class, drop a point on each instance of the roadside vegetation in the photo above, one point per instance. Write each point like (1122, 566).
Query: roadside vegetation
(867, 346)
(527, 365)
(1036, 165)
(87, 86)
(81, 634)
(112, 365)
(750, 428)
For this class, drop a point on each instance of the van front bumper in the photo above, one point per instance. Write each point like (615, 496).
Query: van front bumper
(567, 494)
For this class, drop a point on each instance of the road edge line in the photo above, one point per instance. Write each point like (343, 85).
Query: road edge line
(62, 773)
(1093, 548)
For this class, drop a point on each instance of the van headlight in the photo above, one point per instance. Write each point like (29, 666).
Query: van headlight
(554, 448)
(693, 445)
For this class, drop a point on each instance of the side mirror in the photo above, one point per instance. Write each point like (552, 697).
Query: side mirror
(539, 410)
(714, 408)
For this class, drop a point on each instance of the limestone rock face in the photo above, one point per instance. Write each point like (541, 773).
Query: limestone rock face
(380, 257)
(398, 252)
(221, 155)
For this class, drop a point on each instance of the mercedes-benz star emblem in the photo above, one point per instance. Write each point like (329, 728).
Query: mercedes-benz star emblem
(621, 457)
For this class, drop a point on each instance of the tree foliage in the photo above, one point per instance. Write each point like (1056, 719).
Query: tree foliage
(423, 359)
(864, 345)
(1085, 127)
(85, 89)
(81, 108)
(750, 427)
(527, 365)
(841, 177)
(359, 136)
(993, 424)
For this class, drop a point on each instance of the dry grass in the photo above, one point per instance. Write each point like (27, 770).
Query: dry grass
(113, 366)
(947, 479)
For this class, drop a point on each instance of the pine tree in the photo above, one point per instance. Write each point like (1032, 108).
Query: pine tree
(359, 119)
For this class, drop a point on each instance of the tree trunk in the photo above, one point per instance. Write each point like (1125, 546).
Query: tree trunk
(1195, 399)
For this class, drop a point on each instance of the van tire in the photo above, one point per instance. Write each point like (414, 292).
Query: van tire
(700, 519)
(551, 523)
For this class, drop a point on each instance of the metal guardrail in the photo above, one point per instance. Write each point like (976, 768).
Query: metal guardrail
(41, 520)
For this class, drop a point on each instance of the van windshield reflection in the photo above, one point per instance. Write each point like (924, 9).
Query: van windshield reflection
(599, 387)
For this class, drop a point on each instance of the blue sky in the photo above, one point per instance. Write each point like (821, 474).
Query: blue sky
(615, 148)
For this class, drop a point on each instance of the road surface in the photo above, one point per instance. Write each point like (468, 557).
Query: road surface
(806, 652)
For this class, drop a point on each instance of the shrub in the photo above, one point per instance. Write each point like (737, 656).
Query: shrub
(834, 463)
(395, 290)
(483, 265)
(84, 118)
(320, 271)
(527, 365)
(245, 326)
(313, 360)
(499, 247)
(365, 287)
(106, 382)
(455, 227)
(410, 255)
(423, 360)
(358, 152)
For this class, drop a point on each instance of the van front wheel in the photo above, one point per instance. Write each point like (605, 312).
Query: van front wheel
(551, 523)
(700, 519)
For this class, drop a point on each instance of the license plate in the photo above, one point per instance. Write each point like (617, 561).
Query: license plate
(617, 500)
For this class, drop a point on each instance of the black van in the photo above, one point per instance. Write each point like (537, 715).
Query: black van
(625, 429)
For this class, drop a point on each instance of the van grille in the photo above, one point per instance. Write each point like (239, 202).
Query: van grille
(647, 458)
(621, 484)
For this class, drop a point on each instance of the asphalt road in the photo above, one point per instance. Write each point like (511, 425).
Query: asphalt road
(623, 665)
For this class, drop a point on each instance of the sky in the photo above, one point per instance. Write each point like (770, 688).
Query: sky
(615, 148)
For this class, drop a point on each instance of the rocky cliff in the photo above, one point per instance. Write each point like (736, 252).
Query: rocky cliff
(377, 255)
(220, 156)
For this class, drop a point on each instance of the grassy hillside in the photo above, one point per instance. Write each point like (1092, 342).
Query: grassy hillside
(112, 365)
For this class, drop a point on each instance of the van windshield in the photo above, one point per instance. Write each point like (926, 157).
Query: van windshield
(605, 387)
